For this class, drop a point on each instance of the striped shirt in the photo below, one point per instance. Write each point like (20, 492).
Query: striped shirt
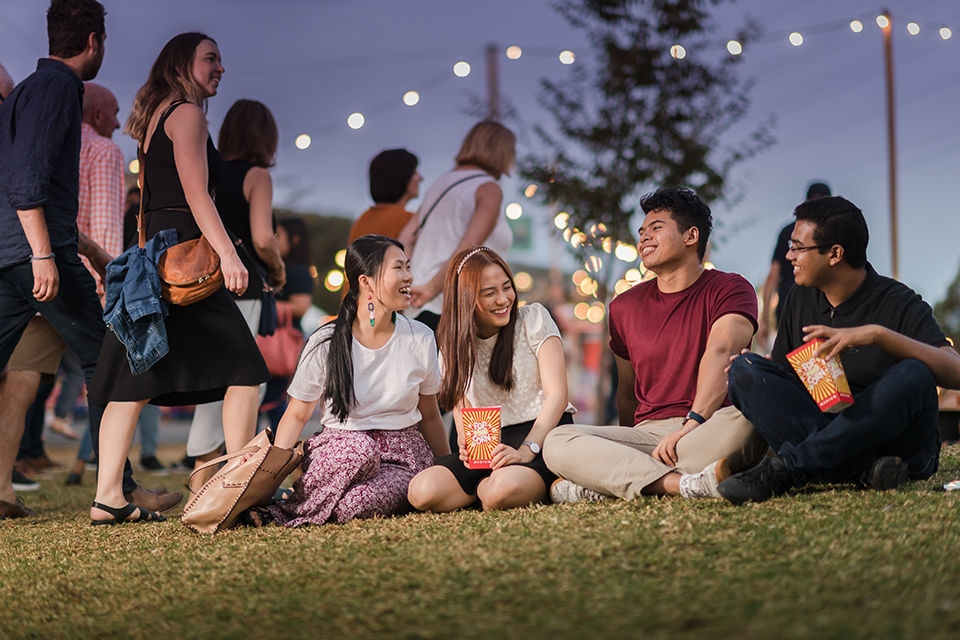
(100, 214)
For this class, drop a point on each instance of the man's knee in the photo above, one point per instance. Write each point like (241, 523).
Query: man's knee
(556, 442)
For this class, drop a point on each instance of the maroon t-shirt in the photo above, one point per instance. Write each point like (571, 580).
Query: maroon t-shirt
(664, 336)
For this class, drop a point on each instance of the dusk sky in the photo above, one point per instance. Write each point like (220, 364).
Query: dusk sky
(315, 62)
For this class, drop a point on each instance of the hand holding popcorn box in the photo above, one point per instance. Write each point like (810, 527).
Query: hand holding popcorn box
(823, 377)
(481, 433)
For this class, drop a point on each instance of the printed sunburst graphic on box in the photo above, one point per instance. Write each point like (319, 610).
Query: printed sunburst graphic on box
(481, 434)
(824, 378)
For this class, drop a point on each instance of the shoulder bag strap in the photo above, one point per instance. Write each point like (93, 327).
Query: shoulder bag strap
(141, 177)
(423, 220)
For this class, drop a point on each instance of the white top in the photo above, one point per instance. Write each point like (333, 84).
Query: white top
(524, 401)
(388, 381)
(446, 225)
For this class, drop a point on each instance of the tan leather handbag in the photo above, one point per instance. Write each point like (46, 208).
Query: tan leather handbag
(240, 484)
(189, 271)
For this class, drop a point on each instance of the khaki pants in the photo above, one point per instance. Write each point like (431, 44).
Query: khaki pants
(616, 460)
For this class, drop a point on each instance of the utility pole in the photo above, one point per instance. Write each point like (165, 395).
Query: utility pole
(891, 143)
(493, 83)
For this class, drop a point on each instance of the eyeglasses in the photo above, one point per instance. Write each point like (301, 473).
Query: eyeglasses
(796, 247)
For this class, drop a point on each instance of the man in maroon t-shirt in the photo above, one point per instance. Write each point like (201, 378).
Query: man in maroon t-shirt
(673, 338)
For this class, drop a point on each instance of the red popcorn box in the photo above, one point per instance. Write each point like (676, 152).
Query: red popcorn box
(823, 377)
(481, 434)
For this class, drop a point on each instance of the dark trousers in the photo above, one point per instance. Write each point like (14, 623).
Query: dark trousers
(75, 314)
(894, 416)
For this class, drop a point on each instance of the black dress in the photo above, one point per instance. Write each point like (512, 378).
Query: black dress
(211, 347)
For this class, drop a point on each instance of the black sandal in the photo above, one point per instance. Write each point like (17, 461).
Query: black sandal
(256, 517)
(120, 515)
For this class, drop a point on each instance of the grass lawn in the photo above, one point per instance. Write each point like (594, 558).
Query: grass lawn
(824, 563)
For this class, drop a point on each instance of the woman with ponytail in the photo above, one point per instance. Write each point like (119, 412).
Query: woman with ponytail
(495, 353)
(375, 374)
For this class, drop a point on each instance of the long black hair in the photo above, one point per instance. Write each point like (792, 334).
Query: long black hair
(364, 257)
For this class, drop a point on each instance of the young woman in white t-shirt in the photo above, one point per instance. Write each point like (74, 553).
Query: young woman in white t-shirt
(376, 373)
(495, 354)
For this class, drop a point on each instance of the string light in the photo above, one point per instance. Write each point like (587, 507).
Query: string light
(462, 68)
(355, 120)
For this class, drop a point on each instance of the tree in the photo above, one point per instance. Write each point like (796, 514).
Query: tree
(642, 116)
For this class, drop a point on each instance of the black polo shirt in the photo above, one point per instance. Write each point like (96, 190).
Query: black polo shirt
(879, 300)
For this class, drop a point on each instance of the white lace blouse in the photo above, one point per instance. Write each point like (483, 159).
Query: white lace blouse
(524, 401)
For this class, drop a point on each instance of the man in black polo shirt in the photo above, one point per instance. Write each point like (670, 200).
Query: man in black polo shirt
(893, 351)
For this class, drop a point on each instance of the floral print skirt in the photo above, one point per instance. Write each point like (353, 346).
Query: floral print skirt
(354, 474)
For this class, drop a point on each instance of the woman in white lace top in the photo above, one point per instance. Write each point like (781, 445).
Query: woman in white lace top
(495, 354)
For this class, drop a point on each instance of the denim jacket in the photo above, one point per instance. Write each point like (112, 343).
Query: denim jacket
(134, 310)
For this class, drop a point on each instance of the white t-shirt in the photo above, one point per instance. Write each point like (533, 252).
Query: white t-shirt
(446, 225)
(388, 381)
(524, 401)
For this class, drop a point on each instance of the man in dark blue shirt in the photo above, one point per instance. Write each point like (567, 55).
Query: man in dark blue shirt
(892, 350)
(40, 271)
(39, 174)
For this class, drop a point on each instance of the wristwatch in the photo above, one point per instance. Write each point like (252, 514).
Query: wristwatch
(533, 446)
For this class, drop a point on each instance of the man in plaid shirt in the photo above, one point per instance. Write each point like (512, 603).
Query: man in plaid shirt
(100, 214)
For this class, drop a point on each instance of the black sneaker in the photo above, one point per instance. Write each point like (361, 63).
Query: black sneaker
(74, 479)
(150, 463)
(888, 472)
(23, 483)
(768, 479)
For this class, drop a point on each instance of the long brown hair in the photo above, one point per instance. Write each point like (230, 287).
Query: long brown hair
(170, 76)
(457, 331)
(249, 133)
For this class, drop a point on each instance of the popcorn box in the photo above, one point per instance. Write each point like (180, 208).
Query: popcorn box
(481, 434)
(823, 377)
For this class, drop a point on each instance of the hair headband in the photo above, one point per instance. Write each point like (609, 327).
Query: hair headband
(468, 256)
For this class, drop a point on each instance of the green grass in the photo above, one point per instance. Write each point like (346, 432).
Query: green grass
(823, 563)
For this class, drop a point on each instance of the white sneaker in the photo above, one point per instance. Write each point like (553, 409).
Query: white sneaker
(704, 484)
(565, 491)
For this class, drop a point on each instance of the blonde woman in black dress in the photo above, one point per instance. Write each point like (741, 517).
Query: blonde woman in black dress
(212, 354)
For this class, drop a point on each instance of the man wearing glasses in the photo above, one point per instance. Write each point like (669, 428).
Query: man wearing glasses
(892, 350)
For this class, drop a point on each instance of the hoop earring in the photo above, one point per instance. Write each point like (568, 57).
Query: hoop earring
(373, 316)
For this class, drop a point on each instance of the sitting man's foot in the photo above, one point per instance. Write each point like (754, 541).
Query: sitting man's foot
(888, 472)
(768, 479)
(151, 463)
(151, 501)
(565, 491)
(704, 484)
(74, 479)
(15, 509)
(23, 483)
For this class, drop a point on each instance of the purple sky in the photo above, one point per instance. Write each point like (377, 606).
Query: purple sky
(315, 62)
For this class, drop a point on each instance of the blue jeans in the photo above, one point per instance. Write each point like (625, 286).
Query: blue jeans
(71, 382)
(894, 416)
(75, 314)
